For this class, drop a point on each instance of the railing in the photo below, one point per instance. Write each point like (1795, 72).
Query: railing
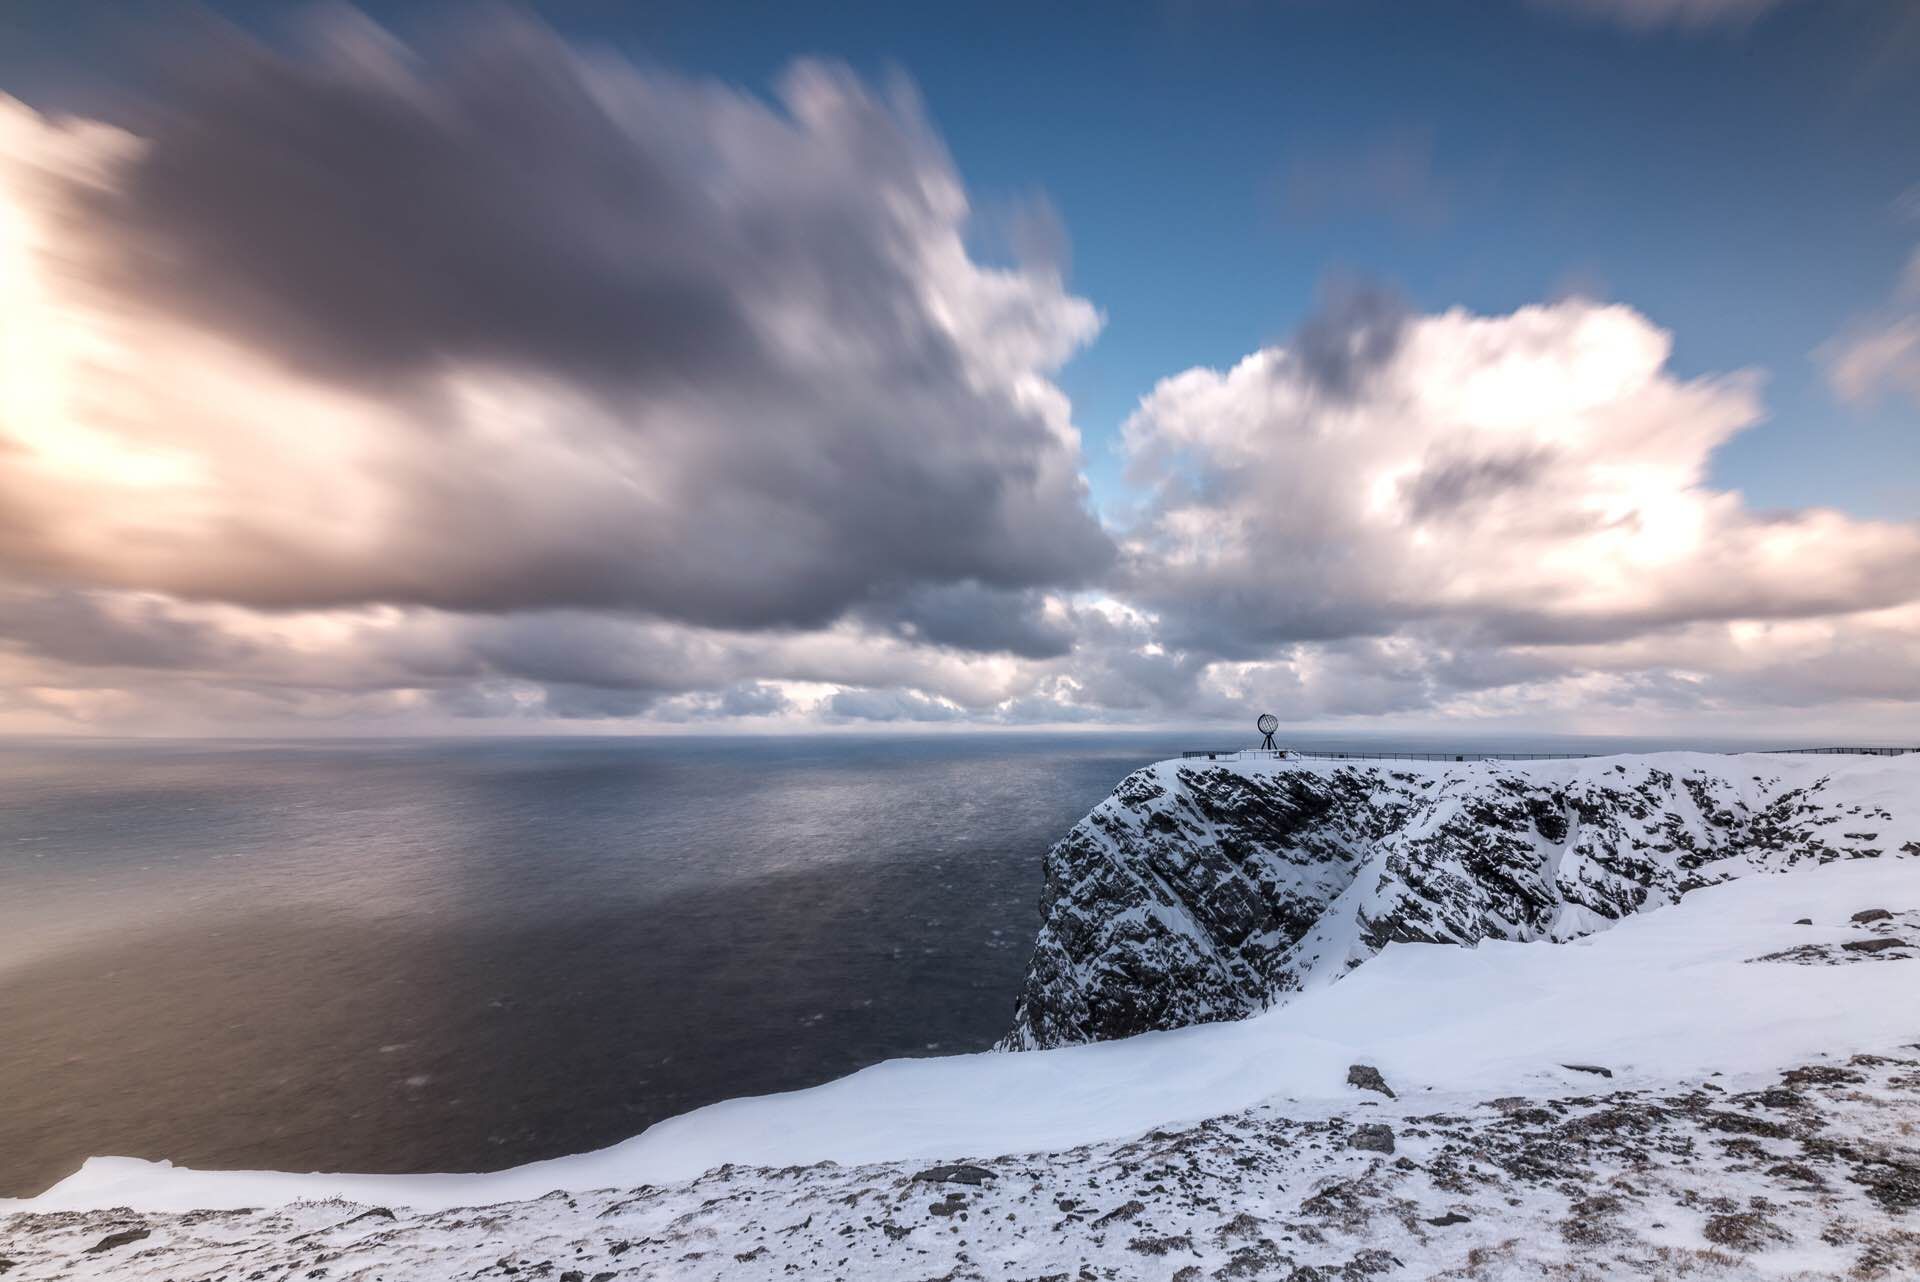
(1858, 752)
(1234, 754)
(1239, 754)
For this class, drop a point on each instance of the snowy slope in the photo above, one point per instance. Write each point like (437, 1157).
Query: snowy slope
(1668, 996)
(1204, 890)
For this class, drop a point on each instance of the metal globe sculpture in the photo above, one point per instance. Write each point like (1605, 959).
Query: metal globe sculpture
(1266, 725)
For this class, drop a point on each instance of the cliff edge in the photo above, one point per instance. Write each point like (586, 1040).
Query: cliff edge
(1205, 890)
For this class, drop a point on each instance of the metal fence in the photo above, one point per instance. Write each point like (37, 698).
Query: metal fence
(1858, 752)
(1240, 754)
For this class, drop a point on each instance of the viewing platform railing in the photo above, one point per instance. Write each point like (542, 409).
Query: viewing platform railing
(1237, 754)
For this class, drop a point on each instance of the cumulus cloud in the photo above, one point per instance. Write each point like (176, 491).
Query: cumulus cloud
(1538, 477)
(493, 325)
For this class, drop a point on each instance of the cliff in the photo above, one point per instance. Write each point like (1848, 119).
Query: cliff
(1210, 890)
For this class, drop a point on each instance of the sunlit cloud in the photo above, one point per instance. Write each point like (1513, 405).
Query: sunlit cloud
(522, 388)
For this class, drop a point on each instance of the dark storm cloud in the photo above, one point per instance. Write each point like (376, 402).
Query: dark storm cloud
(615, 340)
(374, 216)
(968, 616)
(90, 630)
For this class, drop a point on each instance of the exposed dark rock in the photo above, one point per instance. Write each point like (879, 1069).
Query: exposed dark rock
(1375, 1137)
(122, 1238)
(1367, 1078)
(1125, 1211)
(1871, 914)
(1804, 921)
(958, 1173)
(1201, 891)
(1871, 945)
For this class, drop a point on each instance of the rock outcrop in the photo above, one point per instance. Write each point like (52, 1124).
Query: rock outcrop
(1209, 890)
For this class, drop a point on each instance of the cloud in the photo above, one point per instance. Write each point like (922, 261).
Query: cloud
(1881, 352)
(492, 325)
(972, 617)
(489, 382)
(889, 705)
(1874, 359)
(1644, 15)
(1391, 176)
(1534, 478)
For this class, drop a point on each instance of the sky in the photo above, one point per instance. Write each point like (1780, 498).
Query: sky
(1544, 366)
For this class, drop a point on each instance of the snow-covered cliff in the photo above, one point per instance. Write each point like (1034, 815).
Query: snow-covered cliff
(1209, 890)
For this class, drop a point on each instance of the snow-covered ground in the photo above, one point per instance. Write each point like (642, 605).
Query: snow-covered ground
(1231, 1142)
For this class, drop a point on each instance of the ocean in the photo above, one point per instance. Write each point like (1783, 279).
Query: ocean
(463, 955)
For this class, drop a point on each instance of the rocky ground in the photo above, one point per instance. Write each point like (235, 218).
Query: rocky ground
(1813, 1174)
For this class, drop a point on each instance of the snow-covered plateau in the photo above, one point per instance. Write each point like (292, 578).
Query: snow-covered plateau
(1684, 1043)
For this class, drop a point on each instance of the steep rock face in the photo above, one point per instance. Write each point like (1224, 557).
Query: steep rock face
(1204, 890)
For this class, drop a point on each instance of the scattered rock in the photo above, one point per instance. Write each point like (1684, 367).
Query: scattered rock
(1870, 914)
(1744, 1231)
(1795, 1172)
(1893, 1184)
(1367, 1078)
(952, 1204)
(1821, 1075)
(1125, 1211)
(1374, 1138)
(1161, 1245)
(958, 1173)
(112, 1240)
(1870, 945)
(1592, 1221)
(1595, 1069)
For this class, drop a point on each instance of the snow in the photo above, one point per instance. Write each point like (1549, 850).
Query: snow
(1666, 996)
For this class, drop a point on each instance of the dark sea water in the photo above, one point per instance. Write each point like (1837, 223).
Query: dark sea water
(465, 955)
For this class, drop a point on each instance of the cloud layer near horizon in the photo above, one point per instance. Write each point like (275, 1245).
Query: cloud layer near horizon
(400, 386)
